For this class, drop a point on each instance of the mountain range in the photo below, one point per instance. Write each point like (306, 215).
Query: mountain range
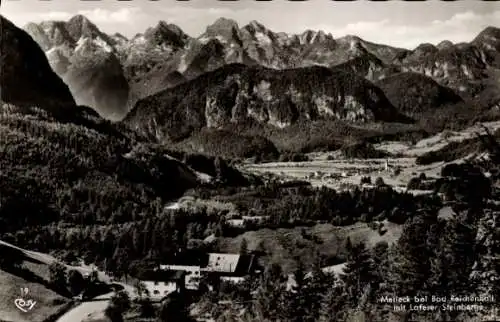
(105, 71)
(257, 87)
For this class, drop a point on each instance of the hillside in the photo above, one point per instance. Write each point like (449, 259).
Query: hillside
(413, 94)
(86, 59)
(48, 302)
(284, 246)
(236, 94)
(463, 67)
(19, 270)
(69, 162)
(26, 76)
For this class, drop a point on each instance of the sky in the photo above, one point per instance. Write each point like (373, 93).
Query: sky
(396, 23)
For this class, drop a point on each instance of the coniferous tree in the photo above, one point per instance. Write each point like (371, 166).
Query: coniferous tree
(146, 307)
(57, 275)
(411, 257)
(334, 302)
(113, 313)
(359, 271)
(76, 282)
(317, 286)
(174, 309)
(269, 297)
(296, 301)
(244, 247)
(454, 259)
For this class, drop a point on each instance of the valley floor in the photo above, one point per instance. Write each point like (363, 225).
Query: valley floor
(332, 170)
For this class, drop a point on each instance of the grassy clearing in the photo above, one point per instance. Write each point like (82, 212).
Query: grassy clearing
(286, 246)
(47, 301)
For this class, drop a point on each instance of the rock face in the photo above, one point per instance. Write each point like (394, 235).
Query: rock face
(464, 67)
(413, 93)
(86, 59)
(26, 79)
(237, 94)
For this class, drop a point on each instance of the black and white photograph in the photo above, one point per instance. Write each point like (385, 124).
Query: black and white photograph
(249, 161)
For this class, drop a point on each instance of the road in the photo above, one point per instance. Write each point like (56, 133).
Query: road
(82, 312)
(94, 307)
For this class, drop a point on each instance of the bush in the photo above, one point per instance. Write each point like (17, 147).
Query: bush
(414, 184)
(379, 182)
(293, 157)
(366, 180)
(362, 151)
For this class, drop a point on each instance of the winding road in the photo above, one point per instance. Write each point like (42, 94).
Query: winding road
(84, 310)
(90, 308)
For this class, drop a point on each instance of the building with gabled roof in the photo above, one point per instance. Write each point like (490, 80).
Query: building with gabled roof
(161, 283)
(231, 267)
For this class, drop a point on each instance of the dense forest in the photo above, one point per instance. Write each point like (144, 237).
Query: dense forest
(435, 256)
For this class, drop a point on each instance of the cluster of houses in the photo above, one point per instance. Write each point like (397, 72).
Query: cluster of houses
(242, 220)
(187, 269)
(320, 175)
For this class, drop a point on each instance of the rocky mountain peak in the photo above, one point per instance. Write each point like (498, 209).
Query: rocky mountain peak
(27, 79)
(49, 34)
(490, 32)
(224, 24)
(166, 34)
(255, 25)
(315, 37)
(425, 49)
(120, 36)
(488, 39)
(445, 44)
(163, 26)
(79, 26)
(223, 29)
(350, 38)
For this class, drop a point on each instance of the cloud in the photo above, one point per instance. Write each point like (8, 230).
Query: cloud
(123, 15)
(460, 27)
(178, 14)
(380, 25)
(365, 26)
(54, 15)
(97, 15)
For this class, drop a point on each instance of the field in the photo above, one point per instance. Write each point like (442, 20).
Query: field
(331, 169)
(284, 245)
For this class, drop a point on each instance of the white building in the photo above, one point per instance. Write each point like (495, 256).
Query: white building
(158, 290)
(160, 284)
(192, 274)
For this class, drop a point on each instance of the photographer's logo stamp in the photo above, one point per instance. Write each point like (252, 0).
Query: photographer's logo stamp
(23, 304)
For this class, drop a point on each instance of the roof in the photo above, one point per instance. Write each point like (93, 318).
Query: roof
(245, 265)
(230, 264)
(219, 262)
(187, 258)
(235, 264)
(161, 275)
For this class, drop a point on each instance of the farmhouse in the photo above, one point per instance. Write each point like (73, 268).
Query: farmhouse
(161, 283)
(190, 262)
(226, 267)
